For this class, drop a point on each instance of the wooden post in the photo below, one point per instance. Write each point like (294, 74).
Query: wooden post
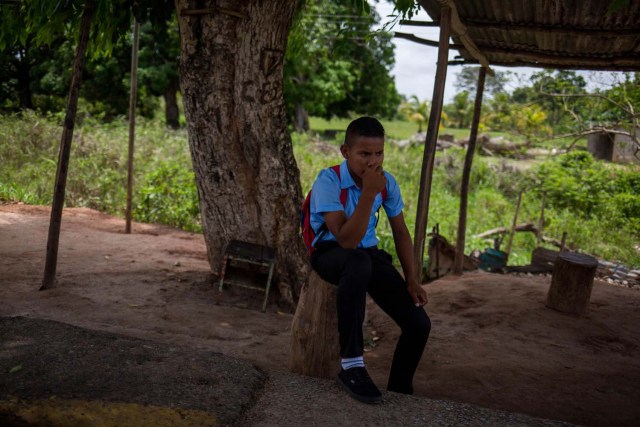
(132, 120)
(426, 174)
(466, 173)
(563, 241)
(541, 221)
(51, 262)
(315, 350)
(513, 228)
(571, 282)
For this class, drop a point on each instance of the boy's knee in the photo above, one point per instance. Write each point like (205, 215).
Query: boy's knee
(422, 328)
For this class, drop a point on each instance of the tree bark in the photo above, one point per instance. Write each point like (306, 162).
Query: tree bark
(231, 68)
(172, 113)
(315, 350)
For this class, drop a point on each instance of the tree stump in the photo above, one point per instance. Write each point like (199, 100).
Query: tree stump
(315, 350)
(571, 282)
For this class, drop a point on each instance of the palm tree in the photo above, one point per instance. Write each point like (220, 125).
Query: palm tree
(416, 111)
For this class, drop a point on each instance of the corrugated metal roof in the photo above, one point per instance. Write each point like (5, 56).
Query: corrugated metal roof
(549, 33)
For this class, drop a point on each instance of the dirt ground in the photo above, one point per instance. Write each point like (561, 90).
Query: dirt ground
(493, 342)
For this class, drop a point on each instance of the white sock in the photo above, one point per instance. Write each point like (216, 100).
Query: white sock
(352, 362)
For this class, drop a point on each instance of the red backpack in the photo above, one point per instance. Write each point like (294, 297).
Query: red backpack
(308, 235)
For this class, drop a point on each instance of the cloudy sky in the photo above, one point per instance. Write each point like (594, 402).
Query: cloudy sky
(415, 68)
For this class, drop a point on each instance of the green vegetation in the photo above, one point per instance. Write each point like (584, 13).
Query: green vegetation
(596, 203)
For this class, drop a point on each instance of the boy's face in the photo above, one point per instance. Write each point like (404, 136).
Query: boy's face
(364, 152)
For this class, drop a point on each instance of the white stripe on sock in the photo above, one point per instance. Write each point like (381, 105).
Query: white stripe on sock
(352, 362)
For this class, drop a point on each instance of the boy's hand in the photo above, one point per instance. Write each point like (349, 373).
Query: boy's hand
(373, 180)
(417, 293)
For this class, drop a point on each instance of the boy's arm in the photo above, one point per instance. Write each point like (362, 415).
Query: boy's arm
(349, 232)
(404, 249)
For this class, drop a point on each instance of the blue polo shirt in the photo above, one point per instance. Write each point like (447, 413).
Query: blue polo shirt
(325, 197)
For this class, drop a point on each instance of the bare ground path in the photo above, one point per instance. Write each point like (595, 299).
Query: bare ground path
(493, 344)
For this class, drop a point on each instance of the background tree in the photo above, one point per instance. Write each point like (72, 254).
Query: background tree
(467, 79)
(416, 111)
(459, 112)
(544, 84)
(159, 58)
(38, 76)
(613, 108)
(336, 65)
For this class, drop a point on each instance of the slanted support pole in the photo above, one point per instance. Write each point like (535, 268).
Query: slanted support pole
(132, 120)
(53, 239)
(426, 174)
(466, 174)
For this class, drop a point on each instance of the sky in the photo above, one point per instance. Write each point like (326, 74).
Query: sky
(415, 67)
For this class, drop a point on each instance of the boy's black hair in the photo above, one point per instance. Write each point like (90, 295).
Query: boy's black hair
(363, 126)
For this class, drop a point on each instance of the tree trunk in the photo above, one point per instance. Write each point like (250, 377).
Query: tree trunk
(302, 119)
(172, 114)
(231, 66)
(571, 282)
(315, 350)
(24, 78)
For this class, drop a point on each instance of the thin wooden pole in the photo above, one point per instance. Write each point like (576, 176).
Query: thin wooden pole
(426, 174)
(541, 221)
(466, 174)
(563, 242)
(53, 239)
(132, 120)
(513, 227)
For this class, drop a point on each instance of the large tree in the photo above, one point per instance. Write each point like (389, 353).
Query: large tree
(247, 177)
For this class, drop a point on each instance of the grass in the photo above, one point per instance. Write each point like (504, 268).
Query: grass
(165, 191)
(395, 129)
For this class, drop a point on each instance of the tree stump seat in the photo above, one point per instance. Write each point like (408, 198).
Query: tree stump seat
(315, 350)
(571, 282)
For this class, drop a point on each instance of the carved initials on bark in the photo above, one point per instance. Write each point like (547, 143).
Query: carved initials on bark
(269, 60)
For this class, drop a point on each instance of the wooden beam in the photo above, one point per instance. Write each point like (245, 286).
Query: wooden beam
(550, 29)
(420, 40)
(605, 66)
(419, 23)
(461, 31)
(426, 173)
(466, 174)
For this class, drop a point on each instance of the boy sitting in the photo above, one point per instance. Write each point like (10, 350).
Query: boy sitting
(346, 255)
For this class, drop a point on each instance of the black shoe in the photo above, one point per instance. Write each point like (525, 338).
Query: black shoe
(359, 385)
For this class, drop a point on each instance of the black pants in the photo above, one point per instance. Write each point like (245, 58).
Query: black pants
(356, 272)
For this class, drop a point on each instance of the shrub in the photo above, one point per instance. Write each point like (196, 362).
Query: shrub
(169, 196)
